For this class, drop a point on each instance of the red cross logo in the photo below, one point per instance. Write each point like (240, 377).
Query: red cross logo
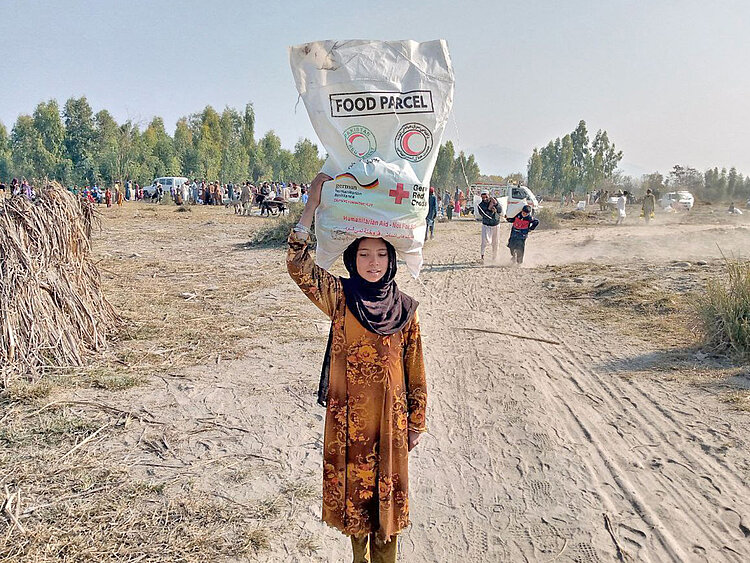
(399, 194)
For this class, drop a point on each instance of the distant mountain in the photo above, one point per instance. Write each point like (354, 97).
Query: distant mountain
(494, 159)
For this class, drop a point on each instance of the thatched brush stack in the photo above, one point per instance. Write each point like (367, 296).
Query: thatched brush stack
(52, 310)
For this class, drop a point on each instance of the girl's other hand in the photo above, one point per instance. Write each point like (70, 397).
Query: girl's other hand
(413, 439)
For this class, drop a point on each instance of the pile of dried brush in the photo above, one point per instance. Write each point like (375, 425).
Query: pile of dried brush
(52, 310)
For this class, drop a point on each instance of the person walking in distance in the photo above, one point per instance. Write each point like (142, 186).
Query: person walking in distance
(431, 214)
(649, 204)
(448, 204)
(490, 211)
(523, 223)
(603, 200)
(621, 201)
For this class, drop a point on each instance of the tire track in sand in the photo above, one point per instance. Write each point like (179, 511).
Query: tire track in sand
(531, 443)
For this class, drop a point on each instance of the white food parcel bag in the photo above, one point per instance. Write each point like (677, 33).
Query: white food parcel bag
(380, 109)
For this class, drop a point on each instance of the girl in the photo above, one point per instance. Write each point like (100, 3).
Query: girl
(372, 384)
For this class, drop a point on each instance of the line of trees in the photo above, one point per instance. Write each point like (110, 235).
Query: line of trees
(573, 163)
(77, 146)
(711, 185)
(454, 170)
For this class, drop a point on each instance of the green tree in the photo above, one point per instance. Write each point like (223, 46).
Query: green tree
(610, 156)
(721, 185)
(307, 160)
(248, 128)
(568, 172)
(572, 163)
(128, 165)
(685, 178)
(234, 157)
(271, 145)
(472, 169)
(460, 178)
(653, 182)
(548, 156)
(49, 125)
(106, 149)
(258, 167)
(534, 172)
(442, 175)
(233, 162)
(231, 126)
(80, 138)
(465, 170)
(732, 182)
(581, 153)
(5, 154)
(185, 150)
(286, 166)
(710, 183)
(162, 148)
(209, 144)
(26, 146)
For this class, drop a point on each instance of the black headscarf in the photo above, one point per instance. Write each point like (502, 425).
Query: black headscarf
(379, 306)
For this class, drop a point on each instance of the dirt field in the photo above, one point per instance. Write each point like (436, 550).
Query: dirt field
(197, 438)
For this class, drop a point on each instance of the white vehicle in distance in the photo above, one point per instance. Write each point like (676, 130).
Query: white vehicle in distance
(511, 198)
(167, 183)
(678, 200)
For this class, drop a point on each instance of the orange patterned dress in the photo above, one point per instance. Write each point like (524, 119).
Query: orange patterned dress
(377, 392)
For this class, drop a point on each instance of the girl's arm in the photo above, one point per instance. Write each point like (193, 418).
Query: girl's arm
(321, 287)
(416, 391)
(313, 199)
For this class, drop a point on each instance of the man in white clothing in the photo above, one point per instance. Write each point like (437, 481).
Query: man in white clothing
(490, 211)
(621, 201)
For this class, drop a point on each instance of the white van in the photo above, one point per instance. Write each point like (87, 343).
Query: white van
(167, 183)
(678, 200)
(511, 198)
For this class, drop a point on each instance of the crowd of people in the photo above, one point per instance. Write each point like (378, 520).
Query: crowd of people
(200, 192)
(195, 192)
(16, 187)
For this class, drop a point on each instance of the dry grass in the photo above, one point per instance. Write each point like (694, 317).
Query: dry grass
(724, 311)
(635, 301)
(308, 545)
(739, 399)
(548, 219)
(277, 229)
(53, 310)
(65, 498)
(77, 482)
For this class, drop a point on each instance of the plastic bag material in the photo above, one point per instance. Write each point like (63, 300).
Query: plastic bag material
(380, 109)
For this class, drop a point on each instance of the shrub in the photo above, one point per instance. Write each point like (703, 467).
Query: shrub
(724, 311)
(277, 229)
(548, 218)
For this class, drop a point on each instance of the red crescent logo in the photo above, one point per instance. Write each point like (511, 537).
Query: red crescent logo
(405, 143)
(355, 136)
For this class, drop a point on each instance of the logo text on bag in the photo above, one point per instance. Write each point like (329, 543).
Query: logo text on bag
(355, 104)
(413, 142)
(360, 141)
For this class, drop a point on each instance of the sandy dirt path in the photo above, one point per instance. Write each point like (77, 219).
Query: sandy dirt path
(535, 451)
(545, 452)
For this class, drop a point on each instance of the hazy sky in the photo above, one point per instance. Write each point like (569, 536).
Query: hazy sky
(669, 81)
